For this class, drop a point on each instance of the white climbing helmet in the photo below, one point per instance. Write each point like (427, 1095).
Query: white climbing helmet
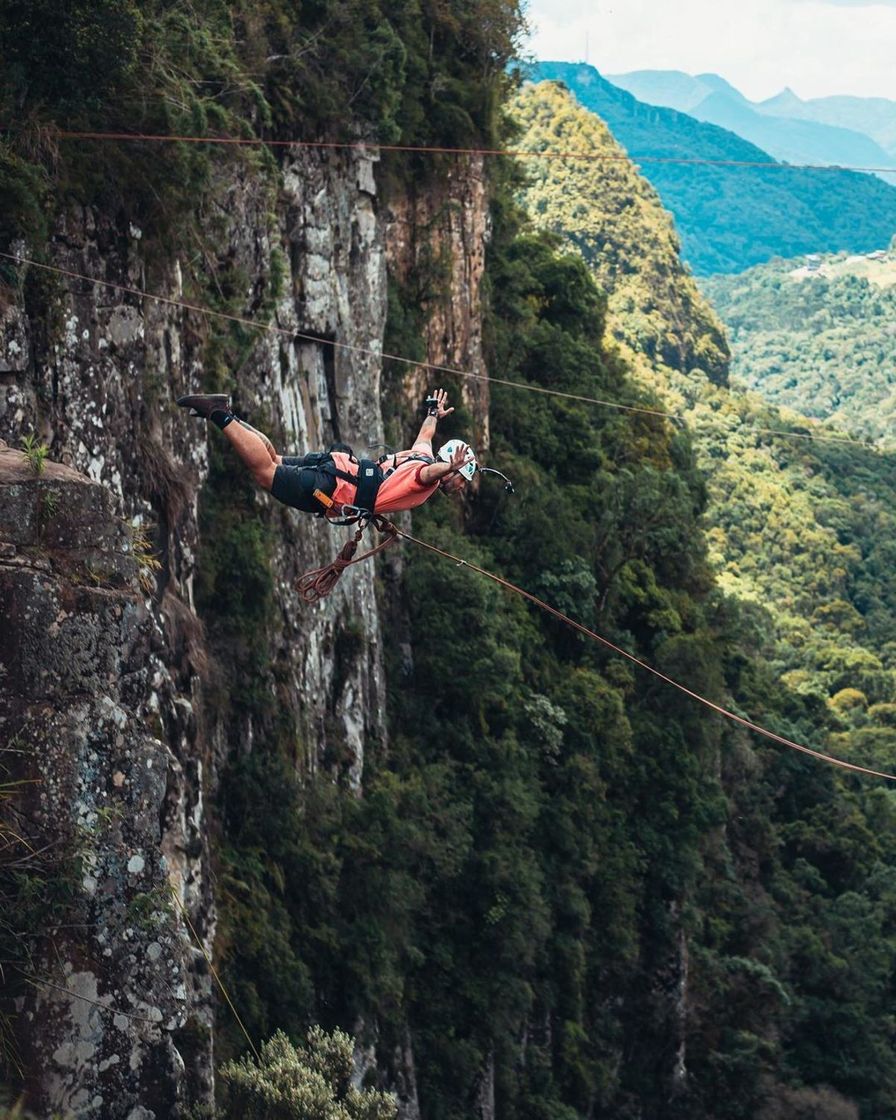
(448, 449)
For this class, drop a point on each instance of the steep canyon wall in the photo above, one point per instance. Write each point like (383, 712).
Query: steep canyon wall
(124, 707)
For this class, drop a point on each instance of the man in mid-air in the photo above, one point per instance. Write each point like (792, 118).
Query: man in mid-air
(334, 482)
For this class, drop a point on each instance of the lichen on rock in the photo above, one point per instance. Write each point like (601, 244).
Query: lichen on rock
(97, 1014)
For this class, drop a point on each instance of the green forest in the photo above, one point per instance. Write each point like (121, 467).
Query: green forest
(820, 344)
(559, 871)
(731, 218)
(799, 532)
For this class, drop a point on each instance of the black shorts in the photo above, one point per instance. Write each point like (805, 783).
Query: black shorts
(294, 484)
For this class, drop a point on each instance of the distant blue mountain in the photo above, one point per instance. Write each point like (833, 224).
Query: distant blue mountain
(792, 140)
(785, 127)
(733, 217)
(672, 88)
(873, 116)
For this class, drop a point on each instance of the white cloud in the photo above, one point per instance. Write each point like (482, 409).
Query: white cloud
(817, 47)
(857, 3)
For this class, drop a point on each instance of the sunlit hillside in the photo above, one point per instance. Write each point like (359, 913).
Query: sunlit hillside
(818, 336)
(772, 520)
(734, 210)
(801, 533)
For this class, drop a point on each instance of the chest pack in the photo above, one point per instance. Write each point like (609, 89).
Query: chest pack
(367, 483)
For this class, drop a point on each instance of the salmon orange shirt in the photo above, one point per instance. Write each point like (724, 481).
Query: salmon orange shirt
(401, 490)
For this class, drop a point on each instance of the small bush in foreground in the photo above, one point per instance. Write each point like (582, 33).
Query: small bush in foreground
(306, 1082)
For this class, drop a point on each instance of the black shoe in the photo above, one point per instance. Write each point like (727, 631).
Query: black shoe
(205, 404)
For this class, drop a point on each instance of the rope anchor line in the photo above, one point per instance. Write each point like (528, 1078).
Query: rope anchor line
(594, 636)
(208, 960)
(382, 355)
(317, 584)
(372, 146)
(321, 580)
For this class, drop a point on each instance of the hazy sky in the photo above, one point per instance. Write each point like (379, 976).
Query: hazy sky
(817, 47)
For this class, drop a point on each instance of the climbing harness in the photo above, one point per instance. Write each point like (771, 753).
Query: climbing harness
(312, 497)
(318, 583)
(366, 481)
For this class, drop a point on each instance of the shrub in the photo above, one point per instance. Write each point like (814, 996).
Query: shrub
(848, 699)
(308, 1082)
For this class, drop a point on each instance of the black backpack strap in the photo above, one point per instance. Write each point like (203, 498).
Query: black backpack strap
(418, 457)
(370, 478)
(367, 481)
(324, 461)
(332, 469)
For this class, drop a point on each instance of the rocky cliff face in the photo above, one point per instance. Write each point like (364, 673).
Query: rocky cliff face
(439, 236)
(106, 679)
(110, 980)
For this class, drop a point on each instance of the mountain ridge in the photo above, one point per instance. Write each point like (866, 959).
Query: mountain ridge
(784, 126)
(732, 217)
(874, 116)
(800, 535)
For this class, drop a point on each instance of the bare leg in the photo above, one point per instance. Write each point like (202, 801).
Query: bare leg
(275, 458)
(252, 448)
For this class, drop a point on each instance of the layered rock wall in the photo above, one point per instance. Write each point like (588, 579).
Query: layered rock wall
(130, 748)
(436, 242)
(106, 978)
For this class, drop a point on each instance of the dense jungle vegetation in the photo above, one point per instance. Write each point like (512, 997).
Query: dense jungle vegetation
(820, 344)
(563, 879)
(733, 217)
(345, 69)
(547, 833)
(801, 536)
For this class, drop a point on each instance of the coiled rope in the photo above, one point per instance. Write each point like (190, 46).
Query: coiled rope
(317, 584)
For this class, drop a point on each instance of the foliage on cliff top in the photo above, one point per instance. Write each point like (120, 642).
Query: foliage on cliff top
(820, 344)
(614, 218)
(797, 526)
(334, 69)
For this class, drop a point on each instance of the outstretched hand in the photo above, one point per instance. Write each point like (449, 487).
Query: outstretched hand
(441, 399)
(462, 455)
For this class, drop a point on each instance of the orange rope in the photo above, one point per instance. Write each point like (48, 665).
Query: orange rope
(383, 355)
(433, 149)
(317, 584)
(757, 728)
